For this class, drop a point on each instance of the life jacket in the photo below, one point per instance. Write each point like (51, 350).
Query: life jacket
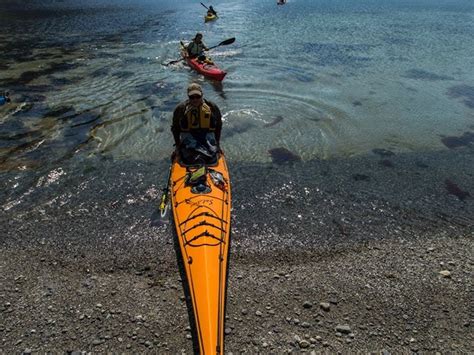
(195, 48)
(198, 119)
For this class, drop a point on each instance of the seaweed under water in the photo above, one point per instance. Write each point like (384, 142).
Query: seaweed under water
(282, 155)
(455, 190)
(460, 141)
(465, 92)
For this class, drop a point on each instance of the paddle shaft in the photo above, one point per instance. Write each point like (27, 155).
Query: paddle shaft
(164, 196)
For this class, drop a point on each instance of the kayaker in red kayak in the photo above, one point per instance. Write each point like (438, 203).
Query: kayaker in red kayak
(197, 125)
(196, 49)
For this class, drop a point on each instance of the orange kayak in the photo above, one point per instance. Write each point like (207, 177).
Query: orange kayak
(201, 203)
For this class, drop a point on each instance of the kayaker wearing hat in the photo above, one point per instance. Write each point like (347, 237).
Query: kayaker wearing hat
(197, 125)
(196, 48)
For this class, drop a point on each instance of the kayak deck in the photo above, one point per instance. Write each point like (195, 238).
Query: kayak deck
(202, 223)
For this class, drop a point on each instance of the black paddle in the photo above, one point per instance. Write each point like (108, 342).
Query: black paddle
(223, 43)
(214, 12)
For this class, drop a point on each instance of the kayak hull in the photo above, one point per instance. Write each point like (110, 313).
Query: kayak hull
(202, 224)
(210, 71)
(208, 18)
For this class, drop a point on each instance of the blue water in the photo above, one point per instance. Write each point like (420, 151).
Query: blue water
(322, 79)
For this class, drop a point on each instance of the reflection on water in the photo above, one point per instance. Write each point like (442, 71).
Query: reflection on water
(307, 80)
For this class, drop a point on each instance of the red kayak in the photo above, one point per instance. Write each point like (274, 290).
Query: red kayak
(211, 71)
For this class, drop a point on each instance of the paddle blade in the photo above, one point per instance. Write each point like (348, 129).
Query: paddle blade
(173, 62)
(160, 217)
(224, 43)
(227, 41)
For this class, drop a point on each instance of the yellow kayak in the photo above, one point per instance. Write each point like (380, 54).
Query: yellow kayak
(201, 203)
(208, 18)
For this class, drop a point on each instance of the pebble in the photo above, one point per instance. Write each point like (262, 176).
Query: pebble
(258, 313)
(303, 344)
(445, 273)
(325, 306)
(307, 305)
(97, 342)
(227, 331)
(344, 329)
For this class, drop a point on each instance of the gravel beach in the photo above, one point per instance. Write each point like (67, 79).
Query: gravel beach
(368, 254)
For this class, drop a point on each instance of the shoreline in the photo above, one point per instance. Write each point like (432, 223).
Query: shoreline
(351, 244)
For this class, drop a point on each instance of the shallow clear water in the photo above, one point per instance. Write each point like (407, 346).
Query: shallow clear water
(319, 78)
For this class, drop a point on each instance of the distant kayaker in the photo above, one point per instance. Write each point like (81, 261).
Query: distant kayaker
(196, 48)
(211, 11)
(197, 125)
(4, 98)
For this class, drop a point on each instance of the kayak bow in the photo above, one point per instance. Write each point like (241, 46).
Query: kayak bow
(209, 18)
(201, 203)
